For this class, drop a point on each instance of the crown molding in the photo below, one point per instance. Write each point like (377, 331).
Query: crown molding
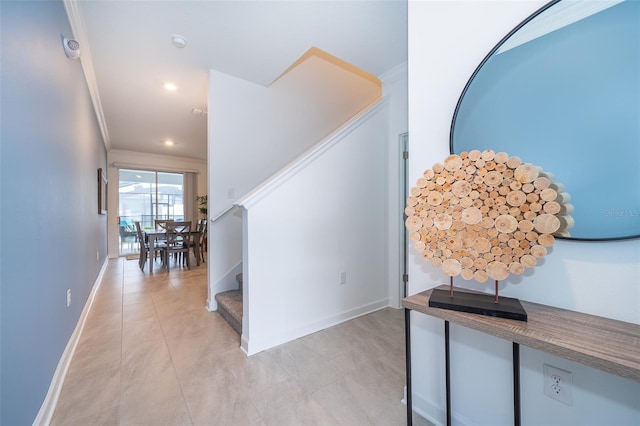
(76, 21)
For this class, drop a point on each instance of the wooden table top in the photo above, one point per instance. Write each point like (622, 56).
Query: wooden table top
(602, 343)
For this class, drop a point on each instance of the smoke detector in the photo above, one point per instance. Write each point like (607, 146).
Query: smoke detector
(71, 47)
(178, 40)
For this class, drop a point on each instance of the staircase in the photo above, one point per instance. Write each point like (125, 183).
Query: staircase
(230, 306)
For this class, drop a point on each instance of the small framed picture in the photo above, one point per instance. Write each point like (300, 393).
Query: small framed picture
(102, 192)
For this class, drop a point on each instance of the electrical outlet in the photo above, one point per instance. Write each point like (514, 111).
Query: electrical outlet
(343, 278)
(98, 255)
(68, 297)
(558, 384)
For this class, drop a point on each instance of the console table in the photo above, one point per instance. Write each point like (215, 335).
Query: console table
(605, 344)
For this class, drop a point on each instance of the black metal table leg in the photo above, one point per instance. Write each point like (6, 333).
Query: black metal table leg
(447, 362)
(516, 384)
(407, 355)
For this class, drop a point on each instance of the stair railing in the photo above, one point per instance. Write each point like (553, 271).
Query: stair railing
(223, 213)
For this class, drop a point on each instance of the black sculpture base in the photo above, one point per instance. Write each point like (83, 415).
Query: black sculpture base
(478, 303)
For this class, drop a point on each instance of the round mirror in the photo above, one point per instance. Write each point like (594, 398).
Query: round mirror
(562, 91)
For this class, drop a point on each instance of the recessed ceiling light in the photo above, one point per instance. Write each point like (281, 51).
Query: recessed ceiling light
(171, 87)
(169, 142)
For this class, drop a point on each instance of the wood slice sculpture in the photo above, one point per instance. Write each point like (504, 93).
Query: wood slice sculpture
(486, 215)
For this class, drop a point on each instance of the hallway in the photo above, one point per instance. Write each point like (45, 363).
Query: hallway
(151, 354)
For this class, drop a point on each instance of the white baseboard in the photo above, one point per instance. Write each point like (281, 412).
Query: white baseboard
(425, 408)
(256, 345)
(51, 399)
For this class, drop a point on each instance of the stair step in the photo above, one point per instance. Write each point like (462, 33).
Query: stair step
(230, 307)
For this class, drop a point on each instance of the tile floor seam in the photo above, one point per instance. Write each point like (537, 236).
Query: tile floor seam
(271, 395)
(173, 365)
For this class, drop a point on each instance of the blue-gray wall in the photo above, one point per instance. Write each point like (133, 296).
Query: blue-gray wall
(569, 101)
(51, 148)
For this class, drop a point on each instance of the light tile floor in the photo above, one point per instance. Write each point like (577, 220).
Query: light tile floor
(151, 354)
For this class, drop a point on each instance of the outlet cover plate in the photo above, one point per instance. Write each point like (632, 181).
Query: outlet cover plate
(558, 384)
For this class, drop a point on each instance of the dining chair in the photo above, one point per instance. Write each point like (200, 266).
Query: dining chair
(161, 223)
(178, 241)
(159, 247)
(201, 236)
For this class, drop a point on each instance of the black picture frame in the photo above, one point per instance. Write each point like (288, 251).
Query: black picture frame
(102, 192)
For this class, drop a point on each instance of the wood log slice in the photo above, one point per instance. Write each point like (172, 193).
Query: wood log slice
(516, 268)
(493, 178)
(488, 155)
(497, 270)
(480, 276)
(526, 173)
(514, 162)
(474, 155)
(442, 221)
(413, 223)
(551, 207)
(516, 198)
(467, 274)
(546, 223)
(422, 182)
(482, 245)
(541, 182)
(486, 222)
(501, 157)
(528, 261)
(546, 240)
(454, 243)
(548, 194)
(471, 215)
(466, 262)
(451, 267)
(453, 162)
(434, 198)
(461, 188)
(506, 224)
(538, 251)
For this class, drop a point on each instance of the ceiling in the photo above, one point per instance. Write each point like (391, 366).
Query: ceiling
(128, 48)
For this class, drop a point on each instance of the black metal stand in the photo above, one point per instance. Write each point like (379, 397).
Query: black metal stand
(516, 377)
(516, 384)
(447, 366)
(407, 355)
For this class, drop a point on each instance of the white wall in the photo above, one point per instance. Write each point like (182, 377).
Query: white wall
(447, 40)
(327, 217)
(142, 160)
(254, 131)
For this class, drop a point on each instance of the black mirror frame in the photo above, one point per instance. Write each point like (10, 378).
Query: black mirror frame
(475, 72)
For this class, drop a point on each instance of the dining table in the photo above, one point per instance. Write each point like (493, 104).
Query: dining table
(160, 234)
